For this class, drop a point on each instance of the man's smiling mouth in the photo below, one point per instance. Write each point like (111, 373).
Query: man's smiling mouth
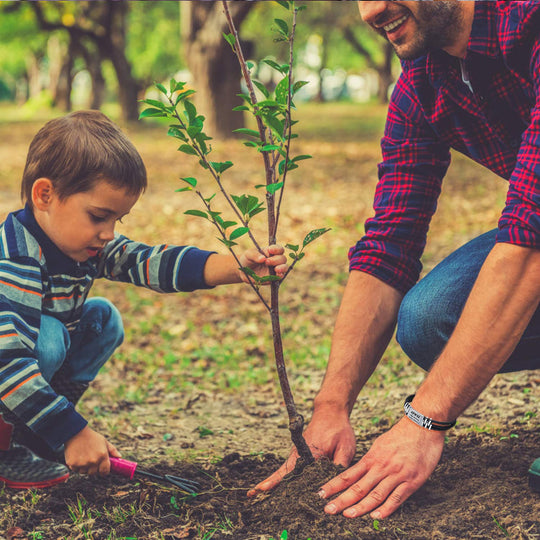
(393, 25)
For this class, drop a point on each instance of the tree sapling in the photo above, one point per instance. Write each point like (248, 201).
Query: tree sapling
(272, 139)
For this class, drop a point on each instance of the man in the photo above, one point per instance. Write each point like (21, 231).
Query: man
(470, 81)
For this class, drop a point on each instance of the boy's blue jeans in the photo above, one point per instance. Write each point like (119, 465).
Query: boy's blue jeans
(430, 310)
(81, 354)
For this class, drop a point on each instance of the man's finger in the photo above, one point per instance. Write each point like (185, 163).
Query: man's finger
(275, 479)
(344, 480)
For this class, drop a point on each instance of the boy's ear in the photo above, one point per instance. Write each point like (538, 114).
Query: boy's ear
(42, 193)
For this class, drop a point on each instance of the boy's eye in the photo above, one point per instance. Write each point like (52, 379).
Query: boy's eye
(97, 219)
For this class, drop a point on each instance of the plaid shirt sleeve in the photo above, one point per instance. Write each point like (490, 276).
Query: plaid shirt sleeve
(410, 175)
(520, 220)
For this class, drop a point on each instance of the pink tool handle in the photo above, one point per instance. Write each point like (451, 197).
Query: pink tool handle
(123, 467)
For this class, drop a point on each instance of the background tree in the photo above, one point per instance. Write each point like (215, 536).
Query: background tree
(213, 66)
(102, 25)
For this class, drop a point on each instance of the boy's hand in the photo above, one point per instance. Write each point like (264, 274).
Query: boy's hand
(259, 263)
(88, 453)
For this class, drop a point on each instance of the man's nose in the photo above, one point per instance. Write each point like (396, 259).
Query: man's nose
(370, 10)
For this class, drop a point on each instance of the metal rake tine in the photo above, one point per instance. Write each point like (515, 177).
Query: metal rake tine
(183, 483)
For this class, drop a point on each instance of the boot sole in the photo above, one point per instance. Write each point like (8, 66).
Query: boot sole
(34, 485)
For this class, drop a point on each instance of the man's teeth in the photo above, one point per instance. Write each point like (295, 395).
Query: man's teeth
(395, 24)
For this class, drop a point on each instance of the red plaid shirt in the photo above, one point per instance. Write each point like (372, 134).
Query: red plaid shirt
(433, 110)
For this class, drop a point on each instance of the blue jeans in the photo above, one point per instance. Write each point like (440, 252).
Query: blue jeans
(81, 354)
(430, 310)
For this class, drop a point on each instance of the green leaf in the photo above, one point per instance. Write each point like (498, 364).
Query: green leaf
(283, 27)
(237, 233)
(186, 149)
(313, 235)
(190, 110)
(241, 108)
(251, 144)
(221, 166)
(152, 112)
(251, 273)
(245, 131)
(228, 243)
(183, 95)
(265, 279)
(183, 189)
(161, 88)
(268, 103)
(284, 4)
(297, 85)
(250, 65)
(230, 40)
(179, 86)
(292, 247)
(282, 90)
(190, 180)
(301, 157)
(198, 213)
(262, 88)
(275, 65)
(272, 188)
(155, 103)
(276, 125)
(270, 147)
(227, 224)
(177, 133)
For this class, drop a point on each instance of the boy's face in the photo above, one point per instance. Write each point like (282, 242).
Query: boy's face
(82, 224)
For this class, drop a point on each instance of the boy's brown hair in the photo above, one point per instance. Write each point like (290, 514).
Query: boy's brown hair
(78, 150)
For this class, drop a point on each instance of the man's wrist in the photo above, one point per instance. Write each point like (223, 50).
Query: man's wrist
(425, 421)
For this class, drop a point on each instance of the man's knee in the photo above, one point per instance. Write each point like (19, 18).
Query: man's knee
(425, 323)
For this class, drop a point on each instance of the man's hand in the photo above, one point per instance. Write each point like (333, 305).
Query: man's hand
(88, 453)
(259, 263)
(328, 434)
(398, 463)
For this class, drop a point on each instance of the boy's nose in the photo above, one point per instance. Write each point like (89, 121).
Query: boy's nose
(107, 234)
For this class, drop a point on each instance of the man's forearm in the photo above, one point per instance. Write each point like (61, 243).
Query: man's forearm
(500, 306)
(364, 326)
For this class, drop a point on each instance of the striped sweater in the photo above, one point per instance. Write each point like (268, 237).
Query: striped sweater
(37, 278)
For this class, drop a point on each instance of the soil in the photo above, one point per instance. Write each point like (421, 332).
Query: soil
(478, 491)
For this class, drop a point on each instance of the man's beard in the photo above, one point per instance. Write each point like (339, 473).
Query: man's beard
(437, 25)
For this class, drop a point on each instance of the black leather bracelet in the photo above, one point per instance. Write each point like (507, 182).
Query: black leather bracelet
(424, 421)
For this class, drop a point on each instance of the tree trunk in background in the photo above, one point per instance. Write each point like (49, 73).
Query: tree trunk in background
(61, 62)
(34, 76)
(103, 24)
(212, 63)
(113, 47)
(383, 69)
(386, 79)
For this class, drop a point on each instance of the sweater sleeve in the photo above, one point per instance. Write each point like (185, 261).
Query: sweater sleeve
(23, 390)
(410, 175)
(161, 268)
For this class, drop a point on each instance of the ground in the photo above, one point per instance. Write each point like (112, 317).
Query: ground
(192, 391)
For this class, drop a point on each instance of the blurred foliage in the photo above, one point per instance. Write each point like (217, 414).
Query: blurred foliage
(323, 29)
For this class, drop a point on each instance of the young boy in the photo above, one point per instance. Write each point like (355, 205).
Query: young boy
(82, 175)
